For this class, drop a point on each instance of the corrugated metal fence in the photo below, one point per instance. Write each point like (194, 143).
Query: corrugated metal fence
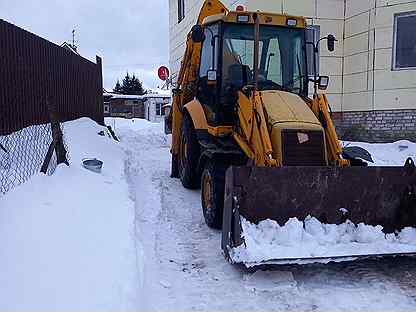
(34, 71)
(41, 85)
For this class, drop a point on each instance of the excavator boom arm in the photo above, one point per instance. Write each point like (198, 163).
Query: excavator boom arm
(320, 107)
(188, 74)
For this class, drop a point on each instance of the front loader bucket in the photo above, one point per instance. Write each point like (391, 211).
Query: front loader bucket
(329, 203)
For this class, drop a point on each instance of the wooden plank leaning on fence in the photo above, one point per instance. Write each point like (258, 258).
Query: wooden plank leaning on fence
(57, 143)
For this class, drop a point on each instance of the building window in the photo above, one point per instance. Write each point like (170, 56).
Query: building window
(159, 109)
(135, 102)
(313, 34)
(106, 109)
(404, 43)
(181, 10)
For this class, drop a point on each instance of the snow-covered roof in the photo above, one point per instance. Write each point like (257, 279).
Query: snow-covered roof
(109, 94)
(127, 96)
(158, 93)
(151, 93)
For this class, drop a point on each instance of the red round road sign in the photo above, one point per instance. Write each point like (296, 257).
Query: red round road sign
(163, 73)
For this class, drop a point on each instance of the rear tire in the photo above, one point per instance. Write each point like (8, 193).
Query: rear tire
(212, 193)
(174, 170)
(189, 154)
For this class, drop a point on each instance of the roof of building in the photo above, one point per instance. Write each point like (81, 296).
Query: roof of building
(127, 96)
(157, 93)
(151, 93)
(70, 47)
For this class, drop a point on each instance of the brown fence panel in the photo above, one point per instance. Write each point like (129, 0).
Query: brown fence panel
(34, 72)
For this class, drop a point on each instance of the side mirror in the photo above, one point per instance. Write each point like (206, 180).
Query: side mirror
(331, 42)
(323, 82)
(212, 77)
(197, 34)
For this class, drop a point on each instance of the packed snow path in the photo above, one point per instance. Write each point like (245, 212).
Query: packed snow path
(183, 268)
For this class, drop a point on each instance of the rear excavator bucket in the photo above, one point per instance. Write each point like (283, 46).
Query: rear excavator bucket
(318, 214)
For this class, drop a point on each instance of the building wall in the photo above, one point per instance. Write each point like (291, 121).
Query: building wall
(362, 79)
(151, 112)
(379, 103)
(376, 126)
(126, 108)
(369, 81)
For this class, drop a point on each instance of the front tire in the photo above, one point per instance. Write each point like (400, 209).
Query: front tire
(189, 154)
(212, 193)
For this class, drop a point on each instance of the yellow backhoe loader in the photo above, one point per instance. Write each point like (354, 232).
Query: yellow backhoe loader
(246, 132)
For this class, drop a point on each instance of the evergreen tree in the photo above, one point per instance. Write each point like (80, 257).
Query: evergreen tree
(117, 88)
(137, 86)
(125, 85)
(130, 85)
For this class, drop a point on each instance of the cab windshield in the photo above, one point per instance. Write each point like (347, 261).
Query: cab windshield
(282, 64)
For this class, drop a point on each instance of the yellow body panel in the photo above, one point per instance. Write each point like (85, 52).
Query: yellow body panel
(287, 111)
(220, 131)
(320, 106)
(253, 134)
(265, 19)
(197, 114)
(276, 135)
(287, 107)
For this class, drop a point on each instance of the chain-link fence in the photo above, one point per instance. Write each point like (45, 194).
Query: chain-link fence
(27, 152)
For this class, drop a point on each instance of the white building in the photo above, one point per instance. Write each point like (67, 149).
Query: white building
(154, 102)
(372, 70)
(149, 106)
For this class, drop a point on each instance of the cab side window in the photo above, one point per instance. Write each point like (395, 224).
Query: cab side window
(209, 51)
(207, 93)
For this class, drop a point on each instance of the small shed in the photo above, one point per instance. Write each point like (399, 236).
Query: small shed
(121, 105)
(155, 102)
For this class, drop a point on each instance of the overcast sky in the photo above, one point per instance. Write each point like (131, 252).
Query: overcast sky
(130, 35)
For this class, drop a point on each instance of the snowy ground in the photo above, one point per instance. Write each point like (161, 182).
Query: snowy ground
(132, 238)
(67, 241)
(390, 154)
(185, 270)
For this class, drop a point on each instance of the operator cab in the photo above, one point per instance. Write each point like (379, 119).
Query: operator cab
(275, 45)
(227, 59)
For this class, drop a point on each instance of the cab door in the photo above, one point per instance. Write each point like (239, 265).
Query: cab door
(208, 82)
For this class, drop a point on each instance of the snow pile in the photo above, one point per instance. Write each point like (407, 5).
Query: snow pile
(388, 154)
(67, 239)
(312, 239)
(147, 133)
